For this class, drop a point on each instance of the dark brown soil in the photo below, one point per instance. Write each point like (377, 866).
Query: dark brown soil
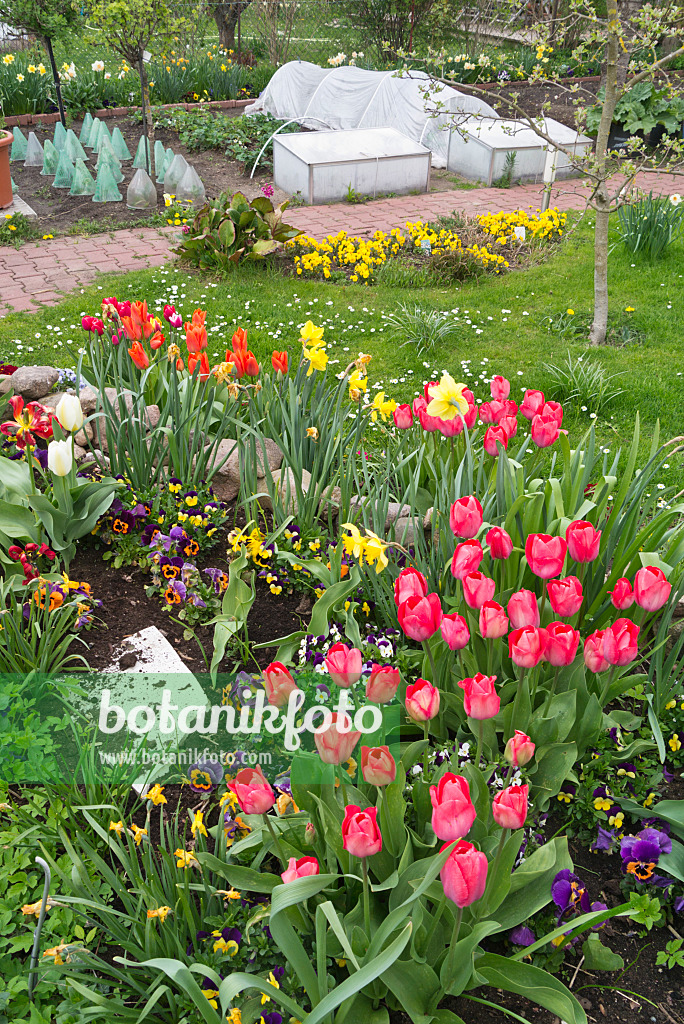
(58, 212)
(554, 101)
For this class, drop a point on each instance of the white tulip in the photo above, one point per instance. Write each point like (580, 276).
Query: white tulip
(60, 457)
(69, 412)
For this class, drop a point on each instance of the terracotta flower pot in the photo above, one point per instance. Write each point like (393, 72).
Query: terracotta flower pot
(6, 139)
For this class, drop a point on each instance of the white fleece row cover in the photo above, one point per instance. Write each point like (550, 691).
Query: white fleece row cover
(349, 97)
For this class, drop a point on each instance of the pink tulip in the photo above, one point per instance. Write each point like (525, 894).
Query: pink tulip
(344, 664)
(545, 555)
(519, 749)
(565, 596)
(477, 588)
(480, 699)
(455, 632)
(467, 558)
(523, 609)
(583, 541)
(620, 645)
(510, 409)
(622, 595)
(464, 875)
(278, 684)
(493, 621)
(302, 868)
(491, 412)
(509, 807)
(554, 409)
(526, 646)
(420, 617)
(360, 833)
(378, 767)
(403, 417)
(532, 404)
(544, 430)
(500, 544)
(510, 425)
(494, 436)
(451, 428)
(593, 652)
(651, 589)
(382, 684)
(428, 423)
(422, 701)
(500, 388)
(562, 642)
(335, 745)
(409, 583)
(470, 417)
(253, 791)
(453, 812)
(465, 518)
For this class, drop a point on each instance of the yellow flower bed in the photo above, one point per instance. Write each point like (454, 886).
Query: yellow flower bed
(547, 225)
(342, 252)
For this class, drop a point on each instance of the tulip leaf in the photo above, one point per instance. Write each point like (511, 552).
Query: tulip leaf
(457, 965)
(552, 767)
(238, 876)
(531, 883)
(415, 986)
(598, 957)
(533, 983)
(17, 521)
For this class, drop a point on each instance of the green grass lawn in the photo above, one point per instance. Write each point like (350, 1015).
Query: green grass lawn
(506, 334)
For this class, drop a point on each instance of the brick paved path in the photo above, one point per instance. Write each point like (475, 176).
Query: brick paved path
(41, 272)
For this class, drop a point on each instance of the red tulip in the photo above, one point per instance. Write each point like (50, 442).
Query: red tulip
(378, 767)
(500, 544)
(622, 594)
(532, 404)
(344, 664)
(139, 355)
(453, 812)
(203, 361)
(252, 790)
(510, 425)
(523, 609)
(509, 807)
(593, 652)
(302, 868)
(465, 518)
(278, 684)
(409, 583)
(195, 338)
(494, 436)
(493, 621)
(279, 362)
(422, 701)
(467, 558)
(382, 684)
(620, 642)
(477, 588)
(562, 642)
(420, 617)
(651, 589)
(565, 596)
(500, 388)
(455, 632)
(428, 423)
(480, 699)
(157, 340)
(360, 833)
(526, 646)
(544, 430)
(464, 875)
(403, 417)
(519, 749)
(545, 555)
(335, 745)
(510, 409)
(583, 541)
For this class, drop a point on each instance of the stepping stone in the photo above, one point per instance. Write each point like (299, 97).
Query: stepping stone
(19, 206)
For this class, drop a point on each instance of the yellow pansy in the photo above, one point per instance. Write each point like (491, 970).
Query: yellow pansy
(674, 743)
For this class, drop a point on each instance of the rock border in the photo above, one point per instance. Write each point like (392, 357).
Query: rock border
(20, 120)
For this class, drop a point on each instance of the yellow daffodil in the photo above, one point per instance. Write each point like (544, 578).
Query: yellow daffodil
(138, 834)
(185, 859)
(161, 912)
(311, 334)
(312, 432)
(198, 824)
(286, 805)
(354, 544)
(358, 382)
(230, 799)
(34, 908)
(117, 826)
(375, 551)
(384, 407)
(156, 795)
(448, 401)
(317, 358)
(56, 953)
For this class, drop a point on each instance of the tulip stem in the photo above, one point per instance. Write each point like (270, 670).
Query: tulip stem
(436, 918)
(433, 667)
(552, 691)
(490, 655)
(366, 898)
(480, 742)
(276, 841)
(518, 698)
(499, 849)
(606, 688)
(426, 728)
(543, 604)
(452, 947)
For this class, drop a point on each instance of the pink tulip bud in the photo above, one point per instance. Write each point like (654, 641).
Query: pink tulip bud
(510, 425)
(309, 834)
(562, 642)
(545, 555)
(409, 583)
(565, 596)
(526, 646)
(651, 589)
(523, 609)
(382, 684)
(544, 430)
(477, 588)
(467, 558)
(519, 749)
(420, 617)
(532, 404)
(252, 790)
(378, 767)
(593, 652)
(344, 664)
(360, 833)
(509, 807)
(335, 739)
(491, 412)
(464, 875)
(493, 621)
(620, 645)
(494, 436)
(302, 868)
(480, 699)
(465, 518)
(455, 632)
(554, 409)
(403, 417)
(500, 388)
(422, 701)
(500, 544)
(453, 812)
(583, 541)
(278, 684)
(622, 594)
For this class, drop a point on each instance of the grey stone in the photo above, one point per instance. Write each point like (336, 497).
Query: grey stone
(405, 531)
(286, 486)
(52, 401)
(33, 382)
(84, 435)
(274, 456)
(88, 398)
(5, 383)
(79, 452)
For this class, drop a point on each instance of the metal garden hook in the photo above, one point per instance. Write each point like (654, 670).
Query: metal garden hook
(39, 927)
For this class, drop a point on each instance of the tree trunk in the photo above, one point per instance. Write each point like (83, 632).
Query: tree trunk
(601, 194)
(55, 78)
(226, 17)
